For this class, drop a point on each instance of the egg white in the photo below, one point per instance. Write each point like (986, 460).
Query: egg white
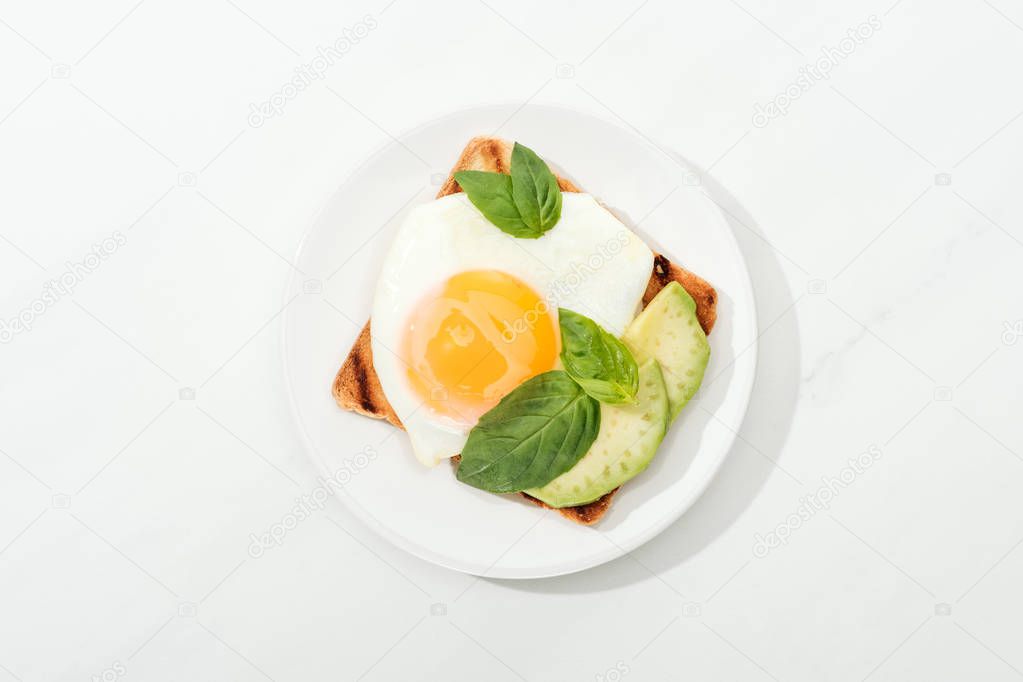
(589, 262)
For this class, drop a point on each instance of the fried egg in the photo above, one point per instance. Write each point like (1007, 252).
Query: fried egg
(464, 313)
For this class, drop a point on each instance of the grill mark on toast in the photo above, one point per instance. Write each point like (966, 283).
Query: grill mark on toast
(362, 382)
(586, 514)
(357, 386)
(661, 265)
(494, 148)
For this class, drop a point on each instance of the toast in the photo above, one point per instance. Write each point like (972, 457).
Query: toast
(357, 387)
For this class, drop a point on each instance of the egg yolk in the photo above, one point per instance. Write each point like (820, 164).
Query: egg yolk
(474, 339)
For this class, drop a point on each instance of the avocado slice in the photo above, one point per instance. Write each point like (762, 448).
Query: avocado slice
(669, 331)
(627, 441)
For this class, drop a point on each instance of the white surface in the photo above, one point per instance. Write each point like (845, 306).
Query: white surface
(495, 537)
(164, 493)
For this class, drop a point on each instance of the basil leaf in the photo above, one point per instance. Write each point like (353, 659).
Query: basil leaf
(491, 193)
(535, 189)
(597, 360)
(536, 433)
(524, 204)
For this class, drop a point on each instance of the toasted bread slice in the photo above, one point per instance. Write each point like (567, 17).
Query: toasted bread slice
(357, 387)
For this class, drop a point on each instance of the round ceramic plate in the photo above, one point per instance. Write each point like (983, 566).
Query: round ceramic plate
(427, 511)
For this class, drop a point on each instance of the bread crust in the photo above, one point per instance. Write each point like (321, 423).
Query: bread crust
(357, 387)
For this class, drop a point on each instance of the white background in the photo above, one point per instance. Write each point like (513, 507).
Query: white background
(880, 217)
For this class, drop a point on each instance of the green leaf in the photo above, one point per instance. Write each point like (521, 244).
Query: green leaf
(524, 204)
(536, 433)
(491, 193)
(534, 189)
(597, 360)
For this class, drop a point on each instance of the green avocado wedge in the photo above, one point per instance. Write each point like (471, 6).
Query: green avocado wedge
(626, 443)
(669, 331)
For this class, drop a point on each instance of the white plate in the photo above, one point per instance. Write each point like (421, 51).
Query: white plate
(426, 511)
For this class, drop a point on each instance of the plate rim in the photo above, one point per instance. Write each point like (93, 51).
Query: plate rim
(617, 549)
